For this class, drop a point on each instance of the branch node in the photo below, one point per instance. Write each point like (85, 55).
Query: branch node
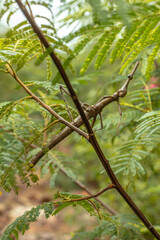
(150, 227)
(74, 97)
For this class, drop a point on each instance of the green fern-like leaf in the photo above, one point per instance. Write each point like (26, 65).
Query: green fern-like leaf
(121, 43)
(49, 68)
(140, 44)
(82, 31)
(105, 48)
(84, 203)
(137, 34)
(6, 108)
(150, 61)
(80, 46)
(149, 123)
(22, 44)
(28, 54)
(132, 153)
(122, 226)
(93, 52)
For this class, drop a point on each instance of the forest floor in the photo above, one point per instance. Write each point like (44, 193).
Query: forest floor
(59, 227)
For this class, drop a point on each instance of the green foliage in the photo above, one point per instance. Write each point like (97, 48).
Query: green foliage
(131, 39)
(12, 134)
(127, 41)
(103, 45)
(105, 48)
(55, 163)
(139, 147)
(151, 61)
(140, 40)
(21, 224)
(103, 32)
(91, 206)
(127, 228)
(93, 52)
(21, 44)
(18, 129)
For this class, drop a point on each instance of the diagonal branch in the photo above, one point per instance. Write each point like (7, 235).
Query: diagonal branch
(92, 138)
(112, 211)
(92, 112)
(58, 65)
(50, 110)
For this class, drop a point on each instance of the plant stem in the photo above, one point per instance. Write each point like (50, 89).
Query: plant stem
(82, 186)
(92, 137)
(50, 110)
(110, 186)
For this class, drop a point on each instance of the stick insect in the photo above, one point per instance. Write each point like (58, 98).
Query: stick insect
(119, 94)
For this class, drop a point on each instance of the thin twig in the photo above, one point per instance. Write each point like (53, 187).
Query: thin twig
(62, 120)
(82, 186)
(108, 208)
(110, 186)
(95, 207)
(30, 9)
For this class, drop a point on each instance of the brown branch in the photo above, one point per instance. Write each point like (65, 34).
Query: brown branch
(45, 106)
(92, 112)
(58, 65)
(87, 190)
(112, 211)
(30, 9)
(108, 208)
(66, 200)
(82, 186)
(92, 138)
(110, 186)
